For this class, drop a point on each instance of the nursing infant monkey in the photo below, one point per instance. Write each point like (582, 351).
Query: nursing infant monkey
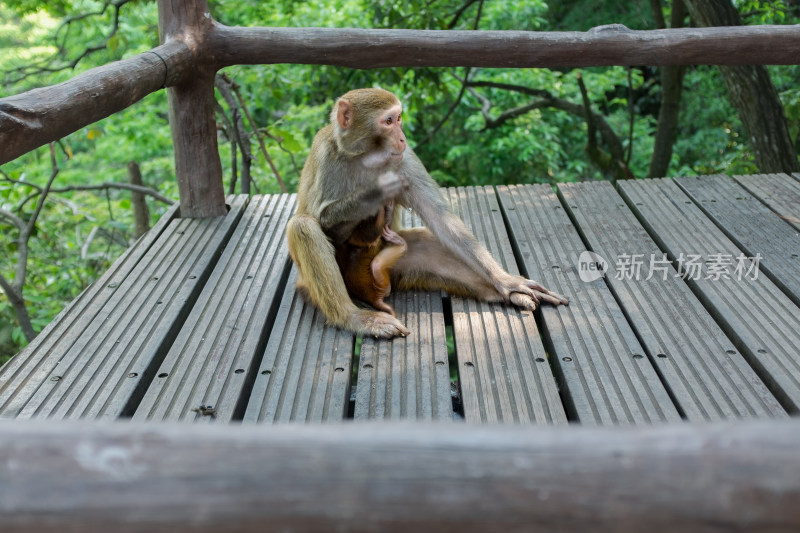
(365, 260)
(358, 171)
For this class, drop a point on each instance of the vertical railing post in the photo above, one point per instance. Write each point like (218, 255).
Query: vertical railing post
(191, 112)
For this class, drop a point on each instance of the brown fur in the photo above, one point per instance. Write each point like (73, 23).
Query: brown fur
(366, 258)
(357, 165)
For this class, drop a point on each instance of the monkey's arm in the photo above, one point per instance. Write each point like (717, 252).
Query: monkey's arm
(340, 217)
(424, 196)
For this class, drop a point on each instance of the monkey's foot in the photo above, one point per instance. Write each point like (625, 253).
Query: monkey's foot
(377, 324)
(527, 293)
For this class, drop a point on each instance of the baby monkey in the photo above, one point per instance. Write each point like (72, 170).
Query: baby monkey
(366, 257)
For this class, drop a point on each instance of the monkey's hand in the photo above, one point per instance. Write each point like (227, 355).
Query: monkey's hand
(391, 185)
(527, 293)
(392, 237)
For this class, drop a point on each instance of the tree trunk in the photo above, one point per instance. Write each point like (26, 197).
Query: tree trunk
(752, 93)
(141, 213)
(671, 88)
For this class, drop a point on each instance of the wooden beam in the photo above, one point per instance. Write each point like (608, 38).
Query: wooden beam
(192, 118)
(740, 476)
(39, 116)
(605, 45)
(203, 46)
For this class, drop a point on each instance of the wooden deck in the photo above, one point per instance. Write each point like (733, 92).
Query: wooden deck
(204, 313)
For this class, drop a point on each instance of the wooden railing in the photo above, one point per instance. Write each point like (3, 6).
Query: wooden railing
(195, 47)
(387, 477)
(81, 476)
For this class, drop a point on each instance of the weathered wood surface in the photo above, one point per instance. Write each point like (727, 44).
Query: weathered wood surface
(407, 378)
(104, 357)
(503, 369)
(613, 44)
(192, 119)
(706, 373)
(42, 354)
(304, 373)
(779, 192)
(742, 476)
(210, 362)
(754, 228)
(626, 351)
(603, 368)
(762, 321)
(39, 116)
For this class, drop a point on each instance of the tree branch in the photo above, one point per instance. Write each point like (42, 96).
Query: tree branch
(41, 67)
(613, 164)
(610, 138)
(147, 191)
(14, 290)
(460, 12)
(632, 116)
(450, 111)
(239, 132)
(257, 132)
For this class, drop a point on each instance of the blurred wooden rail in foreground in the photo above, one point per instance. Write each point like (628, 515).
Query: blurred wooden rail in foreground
(199, 322)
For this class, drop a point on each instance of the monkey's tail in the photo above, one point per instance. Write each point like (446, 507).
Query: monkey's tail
(319, 277)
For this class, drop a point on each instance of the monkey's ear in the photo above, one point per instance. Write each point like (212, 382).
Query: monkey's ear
(344, 114)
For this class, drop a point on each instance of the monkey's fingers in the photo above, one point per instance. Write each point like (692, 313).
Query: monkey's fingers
(391, 185)
(541, 293)
(551, 297)
(523, 300)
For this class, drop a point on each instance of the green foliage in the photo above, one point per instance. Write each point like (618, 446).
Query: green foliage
(762, 12)
(290, 102)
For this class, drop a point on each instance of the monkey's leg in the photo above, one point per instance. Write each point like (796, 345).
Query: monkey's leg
(427, 265)
(380, 265)
(320, 278)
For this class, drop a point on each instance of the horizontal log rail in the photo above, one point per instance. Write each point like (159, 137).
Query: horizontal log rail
(608, 45)
(39, 116)
(36, 117)
(77, 476)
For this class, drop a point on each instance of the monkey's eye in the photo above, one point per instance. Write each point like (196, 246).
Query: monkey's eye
(388, 121)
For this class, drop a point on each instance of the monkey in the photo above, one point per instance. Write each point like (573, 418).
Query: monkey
(357, 164)
(367, 256)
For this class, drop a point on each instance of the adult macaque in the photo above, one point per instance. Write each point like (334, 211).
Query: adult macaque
(366, 257)
(357, 165)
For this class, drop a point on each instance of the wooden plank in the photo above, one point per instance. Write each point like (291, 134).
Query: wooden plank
(96, 373)
(503, 368)
(304, 373)
(779, 192)
(742, 476)
(18, 372)
(763, 322)
(211, 362)
(604, 372)
(611, 44)
(407, 378)
(26, 369)
(705, 373)
(752, 226)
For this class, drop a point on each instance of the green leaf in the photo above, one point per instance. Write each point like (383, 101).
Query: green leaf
(289, 141)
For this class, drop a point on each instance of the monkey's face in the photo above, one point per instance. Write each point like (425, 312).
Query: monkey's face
(389, 133)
